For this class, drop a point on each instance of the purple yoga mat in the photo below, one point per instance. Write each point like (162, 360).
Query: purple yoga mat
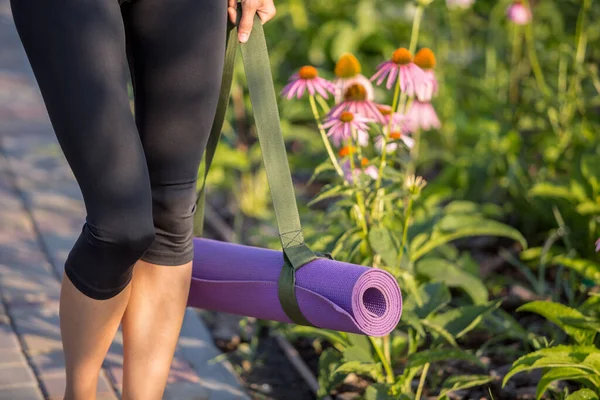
(242, 280)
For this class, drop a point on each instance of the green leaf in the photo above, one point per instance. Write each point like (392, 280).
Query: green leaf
(552, 191)
(553, 312)
(588, 208)
(582, 394)
(440, 331)
(360, 368)
(435, 355)
(590, 169)
(438, 269)
(586, 323)
(428, 299)
(474, 227)
(560, 374)
(461, 320)
(585, 358)
(328, 362)
(319, 169)
(588, 269)
(333, 191)
(333, 337)
(382, 241)
(378, 391)
(460, 382)
(356, 353)
(361, 341)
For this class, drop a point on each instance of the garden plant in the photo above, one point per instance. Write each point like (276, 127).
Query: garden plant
(455, 144)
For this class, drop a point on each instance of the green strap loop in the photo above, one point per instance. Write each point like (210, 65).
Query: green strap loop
(266, 115)
(215, 130)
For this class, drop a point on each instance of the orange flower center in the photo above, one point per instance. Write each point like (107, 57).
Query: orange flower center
(308, 72)
(347, 66)
(396, 135)
(346, 150)
(401, 56)
(346, 116)
(364, 161)
(425, 58)
(355, 92)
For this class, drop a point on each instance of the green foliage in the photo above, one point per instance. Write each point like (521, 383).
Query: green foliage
(515, 161)
(460, 382)
(562, 316)
(579, 362)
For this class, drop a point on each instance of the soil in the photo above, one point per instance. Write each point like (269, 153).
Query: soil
(266, 373)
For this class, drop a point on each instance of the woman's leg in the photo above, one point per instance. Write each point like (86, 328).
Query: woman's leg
(176, 52)
(77, 51)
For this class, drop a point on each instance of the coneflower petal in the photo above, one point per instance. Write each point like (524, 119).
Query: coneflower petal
(378, 74)
(301, 88)
(392, 78)
(294, 89)
(321, 89)
(311, 88)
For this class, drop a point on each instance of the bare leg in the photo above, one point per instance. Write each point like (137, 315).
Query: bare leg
(87, 327)
(151, 327)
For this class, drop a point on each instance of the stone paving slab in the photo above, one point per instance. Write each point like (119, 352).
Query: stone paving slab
(41, 215)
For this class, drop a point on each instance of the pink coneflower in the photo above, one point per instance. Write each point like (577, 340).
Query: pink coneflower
(463, 4)
(518, 13)
(343, 124)
(425, 59)
(598, 245)
(371, 171)
(347, 71)
(400, 66)
(358, 98)
(422, 115)
(307, 78)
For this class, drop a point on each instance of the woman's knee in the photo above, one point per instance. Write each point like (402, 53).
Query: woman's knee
(173, 214)
(101, 262)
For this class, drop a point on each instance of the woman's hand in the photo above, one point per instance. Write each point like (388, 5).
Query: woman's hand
(264, 8)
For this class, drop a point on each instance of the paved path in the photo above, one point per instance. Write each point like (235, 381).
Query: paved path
(41, 214)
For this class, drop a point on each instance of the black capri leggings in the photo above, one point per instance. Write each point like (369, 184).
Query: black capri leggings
(137, 175)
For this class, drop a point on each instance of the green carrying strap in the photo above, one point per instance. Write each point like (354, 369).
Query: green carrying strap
(266, 115)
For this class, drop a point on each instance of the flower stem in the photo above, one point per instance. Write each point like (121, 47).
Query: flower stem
(533, 60)
(359, 195)
(334, 161)
(387, 349)
(581, 37)
(405, 229)
(414, 36)
(384, 140)
(323, 104)
(422, 381)
(389, 374)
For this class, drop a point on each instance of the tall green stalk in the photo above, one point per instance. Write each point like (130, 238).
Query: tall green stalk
(533, 59)
(359, 195)
(384, 139)
(334, 161)
(422, 381)
(389, 373)
(405, 229)
(580, 35)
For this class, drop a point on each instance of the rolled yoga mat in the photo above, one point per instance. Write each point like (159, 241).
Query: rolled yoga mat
(240, 279)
